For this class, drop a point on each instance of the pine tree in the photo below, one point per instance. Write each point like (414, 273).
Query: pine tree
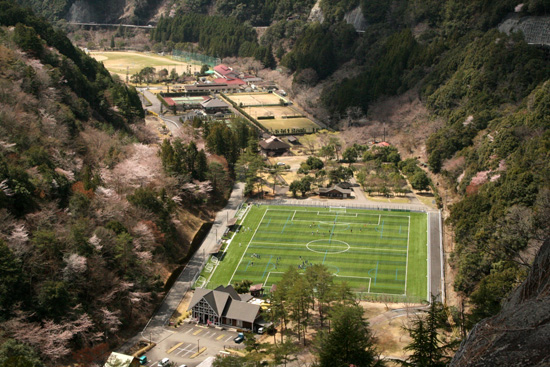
(201, 166)
(268, 59)
(350, 341)
(428, 348)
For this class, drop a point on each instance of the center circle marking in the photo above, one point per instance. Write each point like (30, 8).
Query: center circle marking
(341, 248)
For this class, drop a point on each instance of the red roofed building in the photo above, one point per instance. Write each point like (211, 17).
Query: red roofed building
(169, 101)
(230, 81)
(227, 75)
(224, 71)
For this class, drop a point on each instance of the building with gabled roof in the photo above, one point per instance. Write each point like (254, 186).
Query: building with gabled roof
(335, 192)
(274, 146)
(213, 105)
(223, 306)
(223, 71)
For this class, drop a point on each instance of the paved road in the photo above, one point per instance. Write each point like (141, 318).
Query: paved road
(435, 255)
(172, 122)
(112, 25)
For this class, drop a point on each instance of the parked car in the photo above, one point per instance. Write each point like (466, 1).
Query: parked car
(261, 330)
(239, 338)
(163, 362)
(143, 360)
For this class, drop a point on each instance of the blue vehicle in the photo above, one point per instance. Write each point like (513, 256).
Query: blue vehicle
(239, 338)
(143, 360)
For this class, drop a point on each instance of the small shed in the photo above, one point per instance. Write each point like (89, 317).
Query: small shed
(293, 140)
(257, 290)
(344, 185)
(335, 192)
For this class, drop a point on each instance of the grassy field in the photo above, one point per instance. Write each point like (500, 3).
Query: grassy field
(296, 123)
(117, 62)
(275, 111)
(377, 253)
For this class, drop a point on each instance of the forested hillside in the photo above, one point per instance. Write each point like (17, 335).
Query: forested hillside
(215, 35)
(98, 11)
(491, 90)
(81, 242)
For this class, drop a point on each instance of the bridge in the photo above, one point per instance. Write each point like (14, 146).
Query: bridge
(92, 24)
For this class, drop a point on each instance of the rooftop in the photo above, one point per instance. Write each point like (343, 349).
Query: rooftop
(273, 143)
(214, 103)
(335, 188)
(225, 301)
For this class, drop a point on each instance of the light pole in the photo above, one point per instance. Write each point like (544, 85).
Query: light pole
(198, 345)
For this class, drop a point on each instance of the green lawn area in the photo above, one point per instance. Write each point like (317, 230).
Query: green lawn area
(292, 123)
(378, 253)
(118, 62)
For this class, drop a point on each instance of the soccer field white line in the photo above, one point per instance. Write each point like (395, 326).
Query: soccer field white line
(304, 244)
(353, 215)
(268, 274)
(246, 249)
(407, 261)
(428, 257)
(349, 276)
(342, 276)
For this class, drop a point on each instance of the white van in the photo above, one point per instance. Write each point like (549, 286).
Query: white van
(163, 362)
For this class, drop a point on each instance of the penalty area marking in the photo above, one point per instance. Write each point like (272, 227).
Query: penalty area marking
(343, 248)
(349, 276)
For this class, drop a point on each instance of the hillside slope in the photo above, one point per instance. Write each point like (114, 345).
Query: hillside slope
(98, 11)
(88, 228)
(518, 335)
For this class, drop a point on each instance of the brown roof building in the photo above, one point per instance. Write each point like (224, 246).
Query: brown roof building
(257, 290)
(223, 306)
(213, 105)
(335, 192)
(207, 88)
(274, 146)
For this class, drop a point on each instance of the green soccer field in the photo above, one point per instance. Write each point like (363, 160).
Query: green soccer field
(375, 252)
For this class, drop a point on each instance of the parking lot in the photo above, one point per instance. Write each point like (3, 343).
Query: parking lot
(182, 343)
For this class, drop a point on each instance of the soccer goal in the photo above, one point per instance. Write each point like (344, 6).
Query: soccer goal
(337, 209)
